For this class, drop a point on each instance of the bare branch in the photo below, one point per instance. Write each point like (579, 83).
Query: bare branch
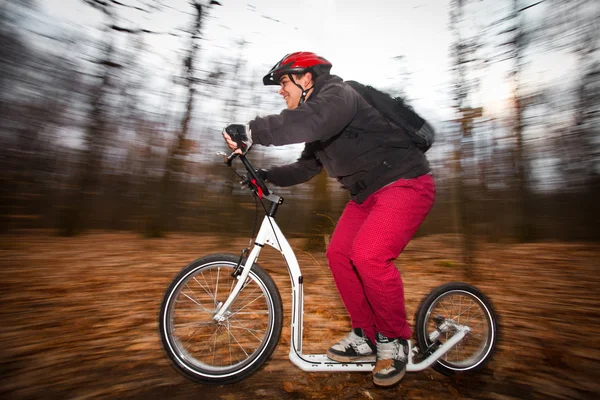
(128, 6)
(101, 5)
(119, 28)
(270, 18)
(531, 5)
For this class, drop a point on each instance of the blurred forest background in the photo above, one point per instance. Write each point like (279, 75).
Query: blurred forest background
(95, 133)
(111, 113)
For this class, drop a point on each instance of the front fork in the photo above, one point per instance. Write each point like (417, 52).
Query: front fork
(241, 273)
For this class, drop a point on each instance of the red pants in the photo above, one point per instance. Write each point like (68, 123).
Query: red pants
(367, 239)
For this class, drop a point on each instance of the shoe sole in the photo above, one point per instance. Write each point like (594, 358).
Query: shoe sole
(347, 359)
(386, 382)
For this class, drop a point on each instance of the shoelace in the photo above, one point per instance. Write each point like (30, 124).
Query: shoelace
(352, 340)
(393, 350)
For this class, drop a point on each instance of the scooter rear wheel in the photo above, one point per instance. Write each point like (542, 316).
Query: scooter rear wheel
(464, 305)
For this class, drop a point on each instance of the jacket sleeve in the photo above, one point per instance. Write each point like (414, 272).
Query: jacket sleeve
(300, 171)
(319, 118)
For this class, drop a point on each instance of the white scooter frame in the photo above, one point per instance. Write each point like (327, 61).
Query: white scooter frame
(271, 235)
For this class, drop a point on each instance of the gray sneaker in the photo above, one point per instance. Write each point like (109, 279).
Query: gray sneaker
(354, 347)
(392, 356)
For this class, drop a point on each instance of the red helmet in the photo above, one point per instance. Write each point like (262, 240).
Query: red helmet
(297, 63)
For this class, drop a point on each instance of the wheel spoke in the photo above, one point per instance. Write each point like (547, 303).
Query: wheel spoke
(214, 353)
(252, 313)
(446, 312)
(460, 313)
(192, 291)
(217, 285)
(240, 309)
(206, 288)
(251, 331)
(247, 294)
(229, 344)
(197, 303)
(452, 302)
(190, 324)
(474, 316)
(208, 342)
(241, 347)
(193, 333)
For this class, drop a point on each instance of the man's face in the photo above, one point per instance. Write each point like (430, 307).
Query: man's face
(290, 92)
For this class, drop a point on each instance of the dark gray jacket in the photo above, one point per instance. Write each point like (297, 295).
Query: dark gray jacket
(343, 134)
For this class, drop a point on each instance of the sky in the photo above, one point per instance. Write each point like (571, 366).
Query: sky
(361, 39)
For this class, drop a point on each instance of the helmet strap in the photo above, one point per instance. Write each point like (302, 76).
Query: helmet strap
(304, 91)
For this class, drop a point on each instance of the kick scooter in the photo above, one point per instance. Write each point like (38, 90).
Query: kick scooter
(221, 317)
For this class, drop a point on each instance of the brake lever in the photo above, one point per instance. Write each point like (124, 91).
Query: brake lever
(228, 158)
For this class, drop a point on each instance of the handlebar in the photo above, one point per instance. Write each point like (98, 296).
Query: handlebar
(254, 181)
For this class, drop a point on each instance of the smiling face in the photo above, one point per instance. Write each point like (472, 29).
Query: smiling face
(292, 93)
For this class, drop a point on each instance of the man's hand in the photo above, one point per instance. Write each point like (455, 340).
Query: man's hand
(238, 137)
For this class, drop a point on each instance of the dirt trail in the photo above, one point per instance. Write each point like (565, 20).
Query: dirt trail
(79, 320)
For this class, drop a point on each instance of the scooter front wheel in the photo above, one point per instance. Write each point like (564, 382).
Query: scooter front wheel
(462, 304)
(213, 352)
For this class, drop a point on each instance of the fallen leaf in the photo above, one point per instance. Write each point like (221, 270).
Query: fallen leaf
(453, 391)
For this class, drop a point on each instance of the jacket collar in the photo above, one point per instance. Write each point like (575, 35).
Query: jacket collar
(321, 81)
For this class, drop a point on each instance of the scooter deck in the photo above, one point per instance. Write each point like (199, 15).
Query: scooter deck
(320, 362)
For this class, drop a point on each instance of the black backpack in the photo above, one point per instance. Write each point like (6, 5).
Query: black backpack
(396, 112)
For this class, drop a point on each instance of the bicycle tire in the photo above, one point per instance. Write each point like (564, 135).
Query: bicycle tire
(476, 350)
(247, 338)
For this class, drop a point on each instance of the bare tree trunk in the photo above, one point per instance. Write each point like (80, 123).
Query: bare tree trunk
(464, 52)
(587, 121)
(79, 202)
(233, 102)
(524, 220)
(320, 222)
(168, 191)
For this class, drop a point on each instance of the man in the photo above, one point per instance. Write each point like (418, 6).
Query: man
(391, 190)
